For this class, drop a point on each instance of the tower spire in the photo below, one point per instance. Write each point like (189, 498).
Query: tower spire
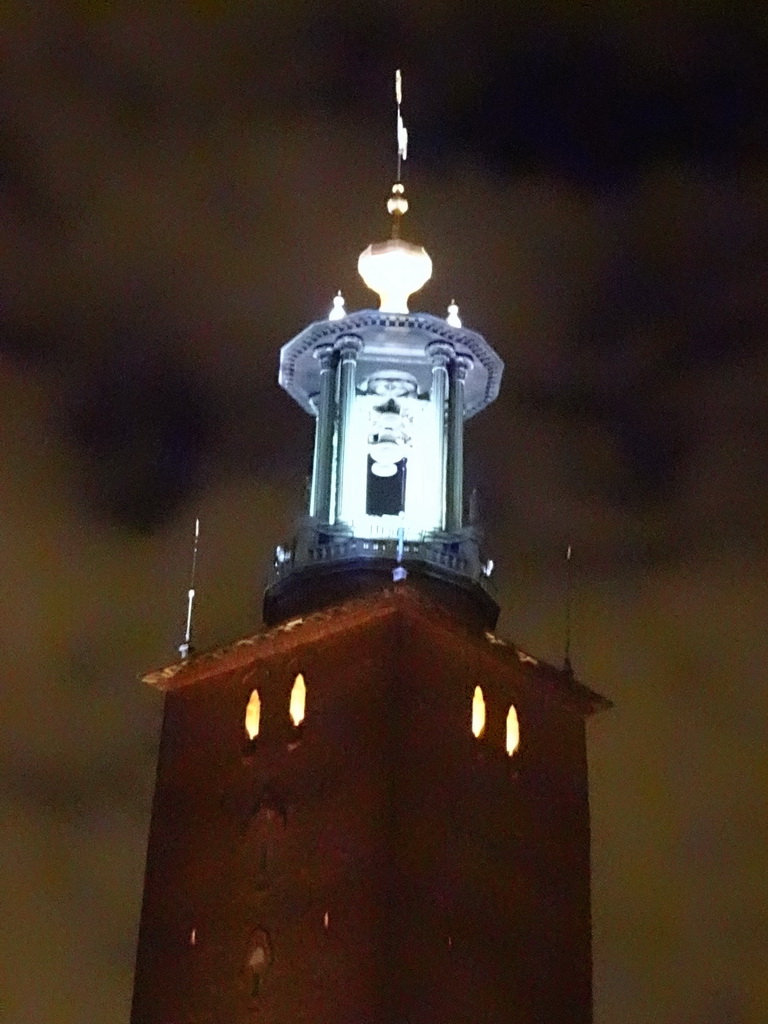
(402, 131)
(396, 269)
(397, 204)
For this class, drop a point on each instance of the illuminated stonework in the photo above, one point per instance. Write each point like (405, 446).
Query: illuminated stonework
(390, 393)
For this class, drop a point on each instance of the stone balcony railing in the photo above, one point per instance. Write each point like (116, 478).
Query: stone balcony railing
(455, 554)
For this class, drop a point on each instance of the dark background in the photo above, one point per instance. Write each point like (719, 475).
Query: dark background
(180, 193)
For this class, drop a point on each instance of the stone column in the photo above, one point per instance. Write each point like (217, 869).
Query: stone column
(440, 354)
(347, 346)
(454, 512)
(322, 461)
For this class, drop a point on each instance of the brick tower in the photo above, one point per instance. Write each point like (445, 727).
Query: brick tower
(375, 811)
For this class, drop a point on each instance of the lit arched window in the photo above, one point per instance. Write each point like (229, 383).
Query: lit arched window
(478, 712)
(298, 705)
(253, 715)
(513, 731)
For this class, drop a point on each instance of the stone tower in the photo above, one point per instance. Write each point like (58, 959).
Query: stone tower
(375, 811)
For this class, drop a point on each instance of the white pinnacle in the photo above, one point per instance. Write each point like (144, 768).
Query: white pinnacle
(453, 315)
(337, 310)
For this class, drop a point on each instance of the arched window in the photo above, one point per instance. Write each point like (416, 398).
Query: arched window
(259, 960)
(478, 712)
(253, 715)
(298, 704)
(263, 834)
(513, 731)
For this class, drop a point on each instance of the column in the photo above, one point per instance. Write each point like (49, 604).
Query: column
(454, 512)
(347, 346)
(322, 460)
(440, 354)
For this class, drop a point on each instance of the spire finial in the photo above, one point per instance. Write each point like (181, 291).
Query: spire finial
(402, 131)
(337, 309)
(453, 314)
(396, 269)
(397, 204)
(185, 648)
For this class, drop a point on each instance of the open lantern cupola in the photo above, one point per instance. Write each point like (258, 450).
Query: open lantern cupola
(390, 390)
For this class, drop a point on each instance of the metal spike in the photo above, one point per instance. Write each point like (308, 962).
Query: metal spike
(185, 648)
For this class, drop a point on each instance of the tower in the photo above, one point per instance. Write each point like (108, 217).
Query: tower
(375, 810)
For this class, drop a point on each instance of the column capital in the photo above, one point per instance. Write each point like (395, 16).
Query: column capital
(348, 345)
(324, 355)
(462, 365)
(440, 353)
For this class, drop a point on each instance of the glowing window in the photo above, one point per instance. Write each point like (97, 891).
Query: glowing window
(298, 704)
(478, 712)
(513, 731)
(253, 715)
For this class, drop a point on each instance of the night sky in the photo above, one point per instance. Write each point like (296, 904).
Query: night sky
(181, 194)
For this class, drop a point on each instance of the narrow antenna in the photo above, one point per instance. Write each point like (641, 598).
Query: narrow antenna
(185, 648)
(567, 667)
